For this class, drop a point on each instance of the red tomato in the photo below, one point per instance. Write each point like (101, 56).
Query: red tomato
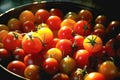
(82, 27)
(56, 11)
(50, 65)
(17, 67)
(82, 57)
(92, 43)
(41, 15)
(54, 22)
(94, 76)
(12, 41)
(31, 44)
(32, 72)
(65, 46)
(65, 33)
(60, 76)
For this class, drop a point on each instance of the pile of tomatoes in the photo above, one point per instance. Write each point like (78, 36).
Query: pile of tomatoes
(51, 45)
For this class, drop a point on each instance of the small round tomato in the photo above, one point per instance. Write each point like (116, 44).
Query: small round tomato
(65, 33)
(3, 33)
(26, 15)
(50, 65)
(60, 76)
(54, 22)
(81, 57)
(65, 46)
(101, 19)
(94, 76)
(3, 27)
(67, 65)
(41, 15)
(17, 67)
(108, 69)
(82, 27)
(92, 43)
(32, 72)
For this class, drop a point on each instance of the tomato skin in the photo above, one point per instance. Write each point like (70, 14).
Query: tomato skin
(65, 46)
(17, 67)
(50, 65)
(12, 41)
(94, 76)
(82, 27)
(93, 43)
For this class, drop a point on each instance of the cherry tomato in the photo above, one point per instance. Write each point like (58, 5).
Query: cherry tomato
(108, 69)
(81, 57)
(99, 26)
(41, 15)
(50, 65)
(85, 14)
(82, 27)
(60, 76)
(12, 41)
(54, 22)
(56, 11)
(14, 24)
(32, 72)
(26, 15)
(67, 65)
(31, 44)
(17, 67)
(65, 46)
(71, 15)
(94, 76)
(101, 19)
(65, 33)
(3, 33)
(92, 43)
(3, 27)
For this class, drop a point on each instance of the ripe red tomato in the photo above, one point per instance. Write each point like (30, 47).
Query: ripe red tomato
(41, 15)
(94, 76)
(102, 19)
(65, 46)
(32, 72)
(82, 27)
(81, 57)
(65, 33)
(54, 22)
(67, 65)
(31, 44)
(50, 65)
(60, 76)
(93, 43)
(12, 41)
(17, 67)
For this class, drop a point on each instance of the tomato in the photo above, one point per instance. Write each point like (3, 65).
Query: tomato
(54, 22)
(94, 76)
(45, 35)
(108, 69)
(67, 65)
(3, 33)
(54, 53)
(28, 26)
(14, 24)
(101, 19)
(3, 27)
(65, 33)
(85, 14)
(81, 57)
(71, 15)
(99, 26)
(12, 41)
(31, 44)
(26, 15)
(19, 54)
(50, 65)
(65, 46)
(68, 22)
(41, 15)
(56, 11)
(82, 27)
(32, 72)
(17, 67)
(60, 76)
(92, 43)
